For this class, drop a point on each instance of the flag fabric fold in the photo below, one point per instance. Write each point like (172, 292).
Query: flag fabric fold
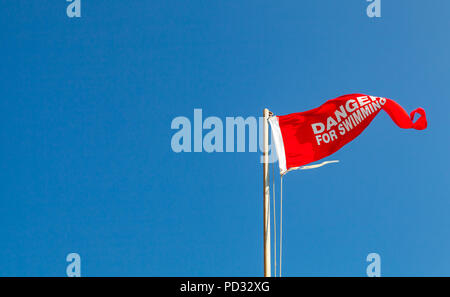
(304, 137)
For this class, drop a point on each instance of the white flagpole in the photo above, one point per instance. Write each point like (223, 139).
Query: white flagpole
(266, 193)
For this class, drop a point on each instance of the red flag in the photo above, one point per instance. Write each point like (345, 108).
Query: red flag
(304, 137)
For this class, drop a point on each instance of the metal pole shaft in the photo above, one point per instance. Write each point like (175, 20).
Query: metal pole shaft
(267, 250)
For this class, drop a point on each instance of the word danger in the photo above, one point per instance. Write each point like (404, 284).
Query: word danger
(346, 118)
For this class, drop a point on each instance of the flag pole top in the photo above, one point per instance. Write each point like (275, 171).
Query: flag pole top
(267, 113)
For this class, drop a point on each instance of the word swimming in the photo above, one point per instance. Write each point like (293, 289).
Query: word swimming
(347, 117)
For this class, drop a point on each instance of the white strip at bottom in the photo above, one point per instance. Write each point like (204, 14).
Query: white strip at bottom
(314, 166)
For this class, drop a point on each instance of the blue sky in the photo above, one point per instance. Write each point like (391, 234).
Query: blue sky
(87, 167)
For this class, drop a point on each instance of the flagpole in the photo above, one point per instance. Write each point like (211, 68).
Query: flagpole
(266, 194)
